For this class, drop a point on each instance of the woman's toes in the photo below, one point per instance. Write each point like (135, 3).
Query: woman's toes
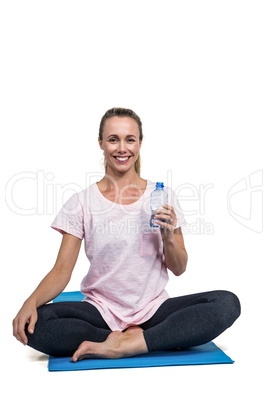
(133, 329)
(82, 350)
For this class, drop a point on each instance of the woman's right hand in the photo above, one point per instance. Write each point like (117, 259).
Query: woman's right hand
(26, 315)
(50, 287)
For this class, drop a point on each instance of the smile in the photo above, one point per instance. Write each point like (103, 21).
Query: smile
(122, 159)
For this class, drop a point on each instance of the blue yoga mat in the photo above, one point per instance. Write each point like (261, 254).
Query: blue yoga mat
(69, 296)
(208, 353)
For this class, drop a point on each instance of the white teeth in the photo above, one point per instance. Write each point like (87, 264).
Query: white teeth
(121, 159)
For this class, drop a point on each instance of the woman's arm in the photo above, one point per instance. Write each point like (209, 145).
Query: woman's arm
(58, 278)
(174, 250)
(50, 287)
(175, 253)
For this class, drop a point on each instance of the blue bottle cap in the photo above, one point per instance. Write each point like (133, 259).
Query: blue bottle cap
(159, 184)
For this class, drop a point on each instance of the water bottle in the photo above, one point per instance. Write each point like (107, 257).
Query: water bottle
(158, 198)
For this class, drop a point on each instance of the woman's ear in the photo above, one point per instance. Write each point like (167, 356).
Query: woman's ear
(100, 143)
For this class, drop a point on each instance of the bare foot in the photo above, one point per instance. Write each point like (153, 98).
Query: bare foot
(134, 328)
(117, 345)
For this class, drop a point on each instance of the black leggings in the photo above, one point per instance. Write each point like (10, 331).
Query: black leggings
(179, 322)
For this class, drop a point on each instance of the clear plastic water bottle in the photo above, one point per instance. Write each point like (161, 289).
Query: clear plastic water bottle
(158, 198)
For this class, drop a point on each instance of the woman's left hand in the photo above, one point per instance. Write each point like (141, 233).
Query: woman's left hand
(168, 214)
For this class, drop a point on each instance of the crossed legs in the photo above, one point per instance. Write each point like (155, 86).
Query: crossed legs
(78, 330)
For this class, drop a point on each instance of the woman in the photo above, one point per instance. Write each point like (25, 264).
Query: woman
(126, 310)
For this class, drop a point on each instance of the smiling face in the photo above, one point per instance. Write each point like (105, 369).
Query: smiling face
(120, 143)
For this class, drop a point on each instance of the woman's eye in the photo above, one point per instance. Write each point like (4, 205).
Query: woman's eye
(113, 140)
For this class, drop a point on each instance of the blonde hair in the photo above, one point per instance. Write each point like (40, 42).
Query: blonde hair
(122, 112)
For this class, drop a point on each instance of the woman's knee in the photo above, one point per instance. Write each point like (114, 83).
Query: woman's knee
(45, 313)
(230, 305)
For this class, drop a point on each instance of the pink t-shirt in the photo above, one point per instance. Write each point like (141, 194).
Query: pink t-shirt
(127, 275)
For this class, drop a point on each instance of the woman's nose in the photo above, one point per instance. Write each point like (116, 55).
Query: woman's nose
(122, 146)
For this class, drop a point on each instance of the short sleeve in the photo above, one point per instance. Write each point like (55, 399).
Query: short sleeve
(173, 200)
(70, 219)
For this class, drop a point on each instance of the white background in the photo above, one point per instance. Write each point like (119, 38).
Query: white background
(196, 73)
